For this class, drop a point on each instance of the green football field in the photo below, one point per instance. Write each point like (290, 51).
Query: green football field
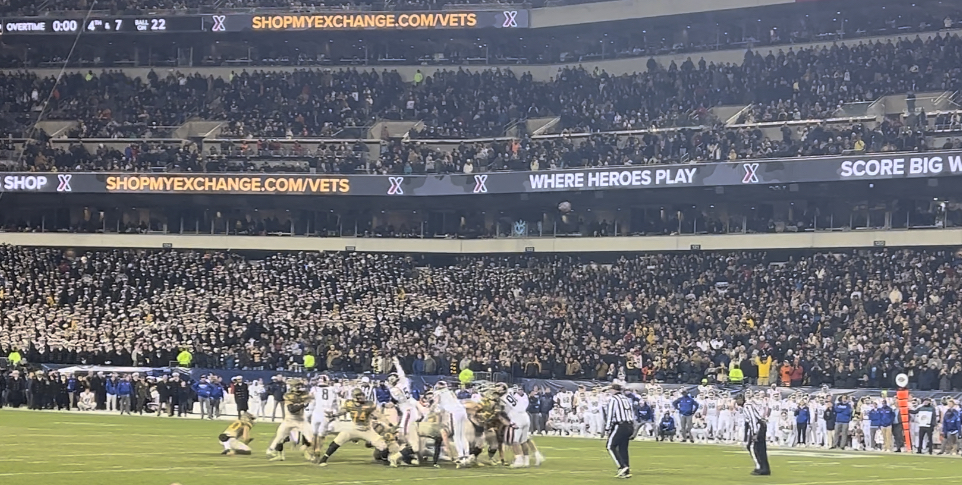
(53, 448)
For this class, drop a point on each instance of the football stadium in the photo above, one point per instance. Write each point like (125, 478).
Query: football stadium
(569, 241)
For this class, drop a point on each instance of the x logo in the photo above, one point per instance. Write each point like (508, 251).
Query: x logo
(395, 186)
(219, 23)
(479, 184)
(751, 173)
(510, 18)
(64, 183)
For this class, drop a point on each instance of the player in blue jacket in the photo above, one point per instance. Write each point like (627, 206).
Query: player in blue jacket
(951, 428)
(686, 407)
(843, 416)
(666, 428)
(125, 392)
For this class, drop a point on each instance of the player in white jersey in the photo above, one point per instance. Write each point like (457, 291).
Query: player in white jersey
(865, 407)
(515, 405)
(556, 421)
(704, 389)
(726, 422)
(325, 403)
(565, 401)
(699, 430)
(408, 414)
(575, 423)
(602, 409)
(711, 418)
(458, 422)
(580, 398)
(594, 420)
(818, 423)
(774, 418)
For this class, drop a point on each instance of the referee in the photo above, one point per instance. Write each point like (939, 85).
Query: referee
(620, 427)
(757, 429)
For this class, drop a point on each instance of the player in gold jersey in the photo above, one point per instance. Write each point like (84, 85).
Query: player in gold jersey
(296, 401)
(430, 428)
(396, 451)
(494, 422)
(237, 436)
(362, 413)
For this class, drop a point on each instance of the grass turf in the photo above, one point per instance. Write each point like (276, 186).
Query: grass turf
(53, 448)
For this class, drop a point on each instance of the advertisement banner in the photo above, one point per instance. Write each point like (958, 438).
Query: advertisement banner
(741, 173)
(328, 21)
(507, 18)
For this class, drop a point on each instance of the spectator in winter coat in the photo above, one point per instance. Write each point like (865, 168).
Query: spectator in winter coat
(802, 418)
(111, 387)
(203, 389)
(216, 397)
(125, 393)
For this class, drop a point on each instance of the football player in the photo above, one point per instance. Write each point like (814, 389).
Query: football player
(494, 422)
(408, 414)
(296, 400)
(515, 404)
(362, 412)
(323, 405)
(457, 419)
(236, 438)
(430, 428)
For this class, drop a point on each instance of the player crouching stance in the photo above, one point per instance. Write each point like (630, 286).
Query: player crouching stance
(237, 436)
(362, 412)
(296, 400)
(397, 451)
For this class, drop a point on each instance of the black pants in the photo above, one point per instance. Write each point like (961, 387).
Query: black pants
(759, 450)
(618, 442)
(923, 432)
(802, 428)
(898, 436)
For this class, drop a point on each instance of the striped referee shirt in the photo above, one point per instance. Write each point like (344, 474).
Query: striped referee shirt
(369, 393)
(753, 417)
(619, 411)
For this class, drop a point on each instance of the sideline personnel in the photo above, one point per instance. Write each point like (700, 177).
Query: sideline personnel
(620, 427)
(757, 429)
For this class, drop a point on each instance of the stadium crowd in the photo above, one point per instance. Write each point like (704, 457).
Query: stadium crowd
(397, 156)
(848, 319)
(785, 84)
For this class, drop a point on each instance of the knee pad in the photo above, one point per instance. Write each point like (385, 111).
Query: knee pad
(223, 438)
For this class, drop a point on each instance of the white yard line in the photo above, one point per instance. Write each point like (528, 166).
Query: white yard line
(140, 470)
(884, 480)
